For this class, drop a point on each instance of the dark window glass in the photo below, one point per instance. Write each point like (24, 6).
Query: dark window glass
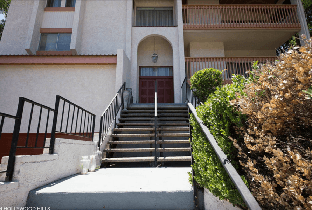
(63, 42)
(158, 16)
(55, 42)
(54, 3)
(70, 3)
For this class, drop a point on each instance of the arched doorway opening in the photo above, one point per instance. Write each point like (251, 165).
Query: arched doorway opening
(151, 72)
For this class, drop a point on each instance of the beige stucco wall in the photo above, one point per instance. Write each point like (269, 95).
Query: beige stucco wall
(15, 33)
(206, 49)
(91, 87)
(58, 19)
(104, 28)
(162, 48)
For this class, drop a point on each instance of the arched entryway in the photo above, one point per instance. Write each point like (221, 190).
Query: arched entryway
(150, 72)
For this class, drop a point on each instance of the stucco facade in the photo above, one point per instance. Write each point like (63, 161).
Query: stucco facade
(109, 27)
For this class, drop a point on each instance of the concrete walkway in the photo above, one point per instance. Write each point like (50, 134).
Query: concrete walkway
(118, 188)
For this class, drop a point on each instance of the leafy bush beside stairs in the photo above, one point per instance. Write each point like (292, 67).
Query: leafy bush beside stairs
(219, 116)
(271, 129)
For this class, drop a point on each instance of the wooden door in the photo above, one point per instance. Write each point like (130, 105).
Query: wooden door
(164, 89)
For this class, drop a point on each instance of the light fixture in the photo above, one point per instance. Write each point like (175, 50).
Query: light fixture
(154, 56)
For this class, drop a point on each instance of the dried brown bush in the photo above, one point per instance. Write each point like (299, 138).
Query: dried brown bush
(275, 144)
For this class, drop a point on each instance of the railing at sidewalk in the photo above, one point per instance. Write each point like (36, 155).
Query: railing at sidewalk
(240, 16)
(233, 65)
(43, 122)
(235, 177)
(109, 116)
(75, 122)
(187, 94)
(17, 127)
(3, 116)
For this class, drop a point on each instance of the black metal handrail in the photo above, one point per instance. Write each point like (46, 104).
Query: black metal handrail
(3, 116)
(189, 99)
(16, 132)
(235, 177)
(80, 117)
(109, 116)
(86, 118)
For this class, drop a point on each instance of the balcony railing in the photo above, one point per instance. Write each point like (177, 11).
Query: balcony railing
(240, 16)
(232, 65)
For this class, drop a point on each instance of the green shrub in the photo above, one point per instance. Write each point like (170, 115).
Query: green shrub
(205, 82)
(219, 116)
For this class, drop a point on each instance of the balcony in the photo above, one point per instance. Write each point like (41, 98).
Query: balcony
(233, 65)
(240, 17)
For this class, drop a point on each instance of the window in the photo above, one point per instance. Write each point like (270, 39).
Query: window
(54, 3)
(156, 71)
(70, 3)
(158, 16)
(55, 42)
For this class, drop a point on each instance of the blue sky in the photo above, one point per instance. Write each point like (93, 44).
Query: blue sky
(1, 16)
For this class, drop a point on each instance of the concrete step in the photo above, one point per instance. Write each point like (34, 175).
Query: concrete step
(152, 115)
(151, 142)
(173, 135)
(152, 119)
(173, 129)
(174, 158)
(135, 124)
(118, 188)
(146, 159)
(152, 124)
(131, 135)
(151, 129)
(173, 141)
(187, 149)
(128, 159)
(133, 142)
(131, 150)
(173, 124)
(133, 129)
(159, 106)
(152, 111)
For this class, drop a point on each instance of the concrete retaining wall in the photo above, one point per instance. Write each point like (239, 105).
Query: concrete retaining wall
(32, 171)
(213, 202)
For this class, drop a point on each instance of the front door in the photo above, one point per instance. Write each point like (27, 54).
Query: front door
(164, 78)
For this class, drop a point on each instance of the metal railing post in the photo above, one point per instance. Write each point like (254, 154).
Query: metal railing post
(17, 126)
(155, 123)
(52, 141)
(122, 99)
(186, 98)
(93, 126)
(100, 132)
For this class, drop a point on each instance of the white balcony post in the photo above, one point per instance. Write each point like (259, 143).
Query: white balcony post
(302, 18)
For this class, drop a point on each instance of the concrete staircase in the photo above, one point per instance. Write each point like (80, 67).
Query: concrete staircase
(133, 141)
(129, 181)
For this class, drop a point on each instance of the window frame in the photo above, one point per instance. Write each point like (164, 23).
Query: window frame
(159, 8)
(58, 35)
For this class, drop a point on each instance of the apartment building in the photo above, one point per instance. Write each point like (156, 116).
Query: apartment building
(85, 50)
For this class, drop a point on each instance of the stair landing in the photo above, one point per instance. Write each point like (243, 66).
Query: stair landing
(118, 188)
